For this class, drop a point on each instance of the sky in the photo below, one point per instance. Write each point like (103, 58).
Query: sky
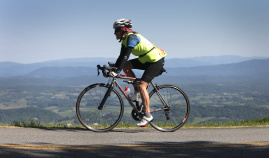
(37, 30)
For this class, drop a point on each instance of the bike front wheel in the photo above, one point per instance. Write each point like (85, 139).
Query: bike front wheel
(99, 120)
(173, 115)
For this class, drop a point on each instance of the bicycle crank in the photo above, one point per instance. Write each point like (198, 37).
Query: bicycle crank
(136, 115)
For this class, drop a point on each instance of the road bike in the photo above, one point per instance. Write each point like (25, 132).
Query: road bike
(100, 107)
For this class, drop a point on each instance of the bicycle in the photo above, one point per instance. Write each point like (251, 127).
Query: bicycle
(100, 107)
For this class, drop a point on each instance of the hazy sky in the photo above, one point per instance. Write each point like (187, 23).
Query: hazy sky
(40, 30)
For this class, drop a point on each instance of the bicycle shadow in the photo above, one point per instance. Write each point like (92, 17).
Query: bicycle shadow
(115, 130)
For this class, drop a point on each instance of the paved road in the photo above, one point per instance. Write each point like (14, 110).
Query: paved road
(142, 142)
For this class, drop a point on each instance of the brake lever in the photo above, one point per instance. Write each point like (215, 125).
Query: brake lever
(111, 64)
(98, 72)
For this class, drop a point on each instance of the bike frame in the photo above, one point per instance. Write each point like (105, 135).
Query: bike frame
(137, 107)
(114, 82)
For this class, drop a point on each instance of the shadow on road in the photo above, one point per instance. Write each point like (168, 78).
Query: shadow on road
(116, 130)
(192, 149)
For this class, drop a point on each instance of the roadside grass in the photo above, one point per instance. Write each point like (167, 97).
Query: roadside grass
(35, 124)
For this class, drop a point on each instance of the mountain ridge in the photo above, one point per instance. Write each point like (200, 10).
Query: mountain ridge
(256, 66)
(11, 69)
(249, 71)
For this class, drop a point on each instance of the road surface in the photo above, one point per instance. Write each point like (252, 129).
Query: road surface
(137, 142)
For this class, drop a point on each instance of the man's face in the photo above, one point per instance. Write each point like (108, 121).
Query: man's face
(118, 35)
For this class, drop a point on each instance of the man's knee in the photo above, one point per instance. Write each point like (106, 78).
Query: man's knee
(128, 66)
(125, 69)
(142, 85)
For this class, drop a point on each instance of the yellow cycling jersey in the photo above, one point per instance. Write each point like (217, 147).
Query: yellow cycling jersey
(146, 51)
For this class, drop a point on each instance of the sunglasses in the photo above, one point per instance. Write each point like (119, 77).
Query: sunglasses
(117, 30)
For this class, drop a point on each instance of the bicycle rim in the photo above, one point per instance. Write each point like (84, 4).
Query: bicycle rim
(169, 120)
(99, 120)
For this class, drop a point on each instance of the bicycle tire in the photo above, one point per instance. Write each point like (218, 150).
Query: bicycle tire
(87, 108)
(178, 113)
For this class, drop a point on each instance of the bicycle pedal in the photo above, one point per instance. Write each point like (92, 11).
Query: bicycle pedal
(143, 126)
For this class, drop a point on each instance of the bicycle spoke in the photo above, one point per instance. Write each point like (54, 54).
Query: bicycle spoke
(93, 118)
(169, 119)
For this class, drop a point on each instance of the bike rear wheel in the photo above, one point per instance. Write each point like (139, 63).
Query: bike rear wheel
(171, 118)
(87, 108)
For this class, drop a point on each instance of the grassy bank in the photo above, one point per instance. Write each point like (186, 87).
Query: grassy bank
(34, 124)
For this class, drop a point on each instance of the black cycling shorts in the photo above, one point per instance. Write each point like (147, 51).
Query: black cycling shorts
(151, 69)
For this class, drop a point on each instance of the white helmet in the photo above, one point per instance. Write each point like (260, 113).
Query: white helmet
(120, 23)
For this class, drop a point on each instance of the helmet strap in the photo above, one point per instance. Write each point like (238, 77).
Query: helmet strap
(122, 32)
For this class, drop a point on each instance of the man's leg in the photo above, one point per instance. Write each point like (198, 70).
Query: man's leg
(150, 72)
(145, 100)
(142, 87)
(127, 69)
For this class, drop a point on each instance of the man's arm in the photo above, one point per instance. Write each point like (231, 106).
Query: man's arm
(133, 40)
(123, 58)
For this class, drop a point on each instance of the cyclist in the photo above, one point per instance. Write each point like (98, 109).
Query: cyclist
(150, 58)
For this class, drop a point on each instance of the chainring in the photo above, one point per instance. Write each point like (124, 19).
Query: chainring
(136, 116)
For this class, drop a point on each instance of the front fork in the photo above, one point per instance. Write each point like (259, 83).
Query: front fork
(101, 106)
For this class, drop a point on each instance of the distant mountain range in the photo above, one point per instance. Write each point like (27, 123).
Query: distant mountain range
(74, 67)
(207, 61)
(9, 69)
(254, 70)
(247, 68)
